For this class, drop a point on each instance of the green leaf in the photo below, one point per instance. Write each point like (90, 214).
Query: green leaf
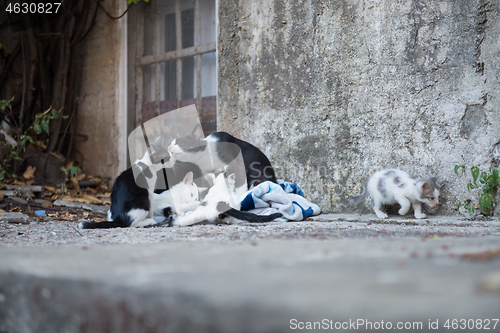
(483, 178)
(486, 201)
(75, 170)
(37, 128)
(459, 203)
(470, 186)
(65, 117)
(457, 167)
(45, 126)
(39, 115)
(475, 173)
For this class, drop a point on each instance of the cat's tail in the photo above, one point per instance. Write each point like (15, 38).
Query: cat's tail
(358, 197)
(247, 216)
(117, 223)
(100, 225)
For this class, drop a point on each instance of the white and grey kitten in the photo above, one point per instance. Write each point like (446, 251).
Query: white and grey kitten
(391, 186)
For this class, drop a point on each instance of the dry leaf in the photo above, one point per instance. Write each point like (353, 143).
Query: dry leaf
(29, 173)
(104, 195)
(40, 144)
(75, 183)
(2, 195)
(85, 214)
(2, 211)
(91, 199)
(47, 204)
(84, 199)
(50, 188)
(18, 182)
(80, 177)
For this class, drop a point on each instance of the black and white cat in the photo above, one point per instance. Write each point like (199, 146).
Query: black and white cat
(218, 150)
(391, 186)
(134, 199)
(222, 204)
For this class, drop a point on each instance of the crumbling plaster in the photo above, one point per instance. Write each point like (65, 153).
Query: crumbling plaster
(333, 91)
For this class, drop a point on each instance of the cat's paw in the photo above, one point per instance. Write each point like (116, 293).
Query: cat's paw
(175, 222)
(403, 211)
(420, 216)
(381, 215)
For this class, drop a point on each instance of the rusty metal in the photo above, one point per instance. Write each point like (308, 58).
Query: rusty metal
(183, 53)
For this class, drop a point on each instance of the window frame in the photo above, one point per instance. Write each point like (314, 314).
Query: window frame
(178, 54)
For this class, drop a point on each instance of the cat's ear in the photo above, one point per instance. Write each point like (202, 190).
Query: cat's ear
(231, 179)
(438, 181)
(426, 187)
(197, 133)
(188, 179)
(153, 148)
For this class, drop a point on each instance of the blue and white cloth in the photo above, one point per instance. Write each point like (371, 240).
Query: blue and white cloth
(285, 198)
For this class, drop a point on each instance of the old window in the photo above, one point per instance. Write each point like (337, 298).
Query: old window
(175, 60)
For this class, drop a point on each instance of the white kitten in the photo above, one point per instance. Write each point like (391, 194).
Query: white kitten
(388, 187)
(219, 198)
(181, 198)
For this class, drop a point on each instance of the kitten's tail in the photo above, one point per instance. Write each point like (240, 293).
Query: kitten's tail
(249, 217)
(358, 197)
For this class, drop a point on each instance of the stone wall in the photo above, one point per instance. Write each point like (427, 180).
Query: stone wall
(333, 91)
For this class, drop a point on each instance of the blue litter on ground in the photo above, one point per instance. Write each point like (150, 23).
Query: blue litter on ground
(39, 212)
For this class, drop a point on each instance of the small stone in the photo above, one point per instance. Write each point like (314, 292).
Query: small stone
(14, 217)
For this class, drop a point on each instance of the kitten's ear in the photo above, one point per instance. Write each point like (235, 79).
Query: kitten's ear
(439, 181)
(232, 177)
(426, 187)
(197, 133)
(188, 179)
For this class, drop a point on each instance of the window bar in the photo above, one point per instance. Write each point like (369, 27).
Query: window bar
(139, 52)
(178, 34)
(197, 31)
(158, 65)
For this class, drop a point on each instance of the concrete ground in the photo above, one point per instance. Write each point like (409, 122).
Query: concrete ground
(346, 272)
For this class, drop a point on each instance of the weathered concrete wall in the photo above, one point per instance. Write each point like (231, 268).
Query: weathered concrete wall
(99, 116)
(333, 91)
